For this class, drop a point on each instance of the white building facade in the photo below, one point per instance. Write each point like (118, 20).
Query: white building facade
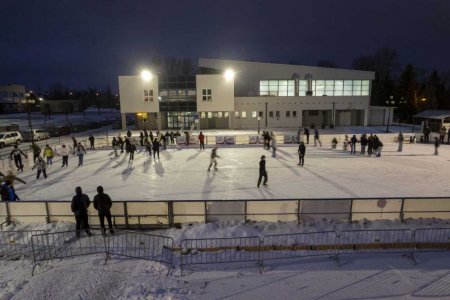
(273, 95)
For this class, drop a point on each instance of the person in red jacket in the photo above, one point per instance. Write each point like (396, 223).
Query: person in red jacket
(201, 138)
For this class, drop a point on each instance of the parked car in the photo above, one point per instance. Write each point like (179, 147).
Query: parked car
(59, 130)
(10, 138)
(38, 134)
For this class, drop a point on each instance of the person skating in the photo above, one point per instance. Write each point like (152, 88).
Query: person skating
(148, 146)
(172, 138)
(103, 204)
(7, 191)
(273, 144)
(334, 143)
(262, 171)
(75, 144)
(201, 139)
(436, 146)
(370, 145)
(426, 133)
(213, 159)
(65, 155)
(163, 141)
(167, 135)
(187, 137)
(400, 139)
(121, 143)
(307, 135)
(132, 149)
(301, 153)
(115, 145)
(151, 136)
(364, 141)
(80, 152)
(377, 146)
(141, 138)
(48, 153)
(316, 137)
(129, 133)
(41, 167)
(156, 146)
(17, 154)
(36, 151)
(127, 145)
(79, 206)
(92, 142)
(353, 142)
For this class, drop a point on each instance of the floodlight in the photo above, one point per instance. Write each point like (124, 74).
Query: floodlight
(229, 74)
(146, 75)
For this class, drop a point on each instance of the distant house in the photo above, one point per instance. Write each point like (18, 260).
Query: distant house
(12, 98)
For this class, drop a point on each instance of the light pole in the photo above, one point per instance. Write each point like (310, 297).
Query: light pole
(259, 119)
(389, 103)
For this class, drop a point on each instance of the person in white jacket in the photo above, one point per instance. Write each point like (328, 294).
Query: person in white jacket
(65, 155)
(41, 165)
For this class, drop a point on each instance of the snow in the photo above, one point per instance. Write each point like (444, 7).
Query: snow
(181, 173)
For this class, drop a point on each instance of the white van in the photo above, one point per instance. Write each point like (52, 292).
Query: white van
(10, 138)
(38, 134)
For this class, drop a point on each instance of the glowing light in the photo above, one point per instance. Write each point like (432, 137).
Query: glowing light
(229, 74)
(146, 75)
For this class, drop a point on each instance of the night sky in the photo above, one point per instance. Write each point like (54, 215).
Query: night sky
(89, 43)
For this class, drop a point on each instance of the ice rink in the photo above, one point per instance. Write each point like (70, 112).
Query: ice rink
(182, 174)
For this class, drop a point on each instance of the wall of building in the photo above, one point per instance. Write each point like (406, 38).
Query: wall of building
(222, 93)
(132, 97)
(291, 104)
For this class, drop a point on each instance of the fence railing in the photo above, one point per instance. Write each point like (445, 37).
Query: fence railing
(141, 214)
(17, 244)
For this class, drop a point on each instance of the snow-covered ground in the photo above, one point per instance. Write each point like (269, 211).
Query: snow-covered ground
(182, 174)
(374, 276)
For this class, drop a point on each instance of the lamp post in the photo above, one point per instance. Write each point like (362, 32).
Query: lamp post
(259, 119)
(28, 95)
(389, 103)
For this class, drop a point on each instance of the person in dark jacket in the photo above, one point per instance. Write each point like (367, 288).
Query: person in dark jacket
(75, 144)
(79, 206)
(370, 145)
(121, 143)
(16, 153)
(201, 139)
(36, 151)
(213, 159)
(353, 142)
(436, 146)
(155, 148)
(129, 133)
(132, 149)
(262, 171)
(163, 141)
(92, 141)
(307, 135)
(301, 153)
(363, 140)
(103, 204)
(141, 138)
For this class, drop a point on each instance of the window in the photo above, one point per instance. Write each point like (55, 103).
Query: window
(148, 95)
(288, 114)
(214, 114)
(219, 114)
(226, 114)
(294, 114)
(203, 115)
(277, 88)
(243, 114)
(270, 114)
(260, 114)
(236, 115)
(209, 115)
(206, 95)
(336, 87)
(277, 114)
(302, 87)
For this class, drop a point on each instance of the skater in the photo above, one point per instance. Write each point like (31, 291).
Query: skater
(65, 155)
(307, 135)
(334, 143)
(163, 141)
(41, 165)
(129, 133)
(80, 151)
(79, 206)
(364, 141)
(262, 171)
(141, 138)
(167, 136)
(187, 137)
(370, 145)
(273, 144)
(115, 145)
(316, 137)
(127, 145)
(7, 191)
(121, 143)
(75, 143)
(36, 151)
(156, 146)
(48, 153)
(301, 153)
(442, 133)
(148, 146)
(213, 159)
(92, 141)
(377, 146)
(436, 146)
(172, 138)
(201, 139)
(400, 139)
(16, 153)
(151, 136)
(103, 204)
(132, 149)
(426, 134)
(353, 142)
(145, 133)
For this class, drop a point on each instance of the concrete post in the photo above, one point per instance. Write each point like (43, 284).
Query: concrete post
(124, 121)
(366, 117)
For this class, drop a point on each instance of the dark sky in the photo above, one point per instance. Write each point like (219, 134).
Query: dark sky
(89, 43)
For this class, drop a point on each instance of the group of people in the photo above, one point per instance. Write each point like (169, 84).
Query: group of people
(372, 143)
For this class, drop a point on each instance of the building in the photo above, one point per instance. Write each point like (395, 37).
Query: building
(241, 94)
(12, 98)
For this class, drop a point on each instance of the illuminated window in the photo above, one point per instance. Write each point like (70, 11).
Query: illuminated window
(226, 114)
(148, 95)
(277, 88)
(209, 115)
(243, 114)
(236, 114)
(206, 95)
(219, 114)
(203, 115)
(254, 114)
(302, 87)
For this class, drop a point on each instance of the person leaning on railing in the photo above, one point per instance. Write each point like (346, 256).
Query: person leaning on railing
(103, 204)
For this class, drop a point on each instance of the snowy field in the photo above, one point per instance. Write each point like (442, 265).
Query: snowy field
(374, 276)
(182, 174)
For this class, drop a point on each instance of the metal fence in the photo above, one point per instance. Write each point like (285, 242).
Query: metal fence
(432, 239)
(220, 250)
(16, 245)
(299, 245)
(141, 245)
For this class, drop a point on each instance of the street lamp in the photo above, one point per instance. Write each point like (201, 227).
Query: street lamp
(229, 74)
(146, 75)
